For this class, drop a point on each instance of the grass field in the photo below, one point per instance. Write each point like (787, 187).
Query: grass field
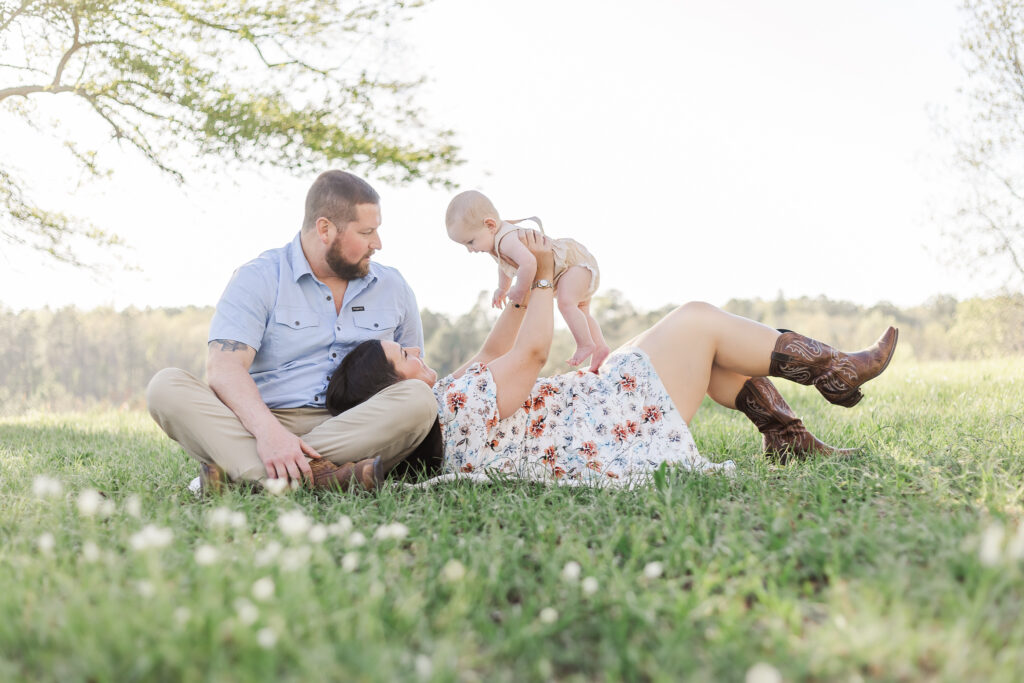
(906, 563)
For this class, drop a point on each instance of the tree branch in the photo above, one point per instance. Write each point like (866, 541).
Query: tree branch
(75, 45)
(995, 227)
(14, 15)
(26, 90)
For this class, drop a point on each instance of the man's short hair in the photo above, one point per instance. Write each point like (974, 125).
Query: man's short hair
(334, 195)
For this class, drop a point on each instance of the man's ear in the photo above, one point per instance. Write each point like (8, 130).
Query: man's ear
(323, 228)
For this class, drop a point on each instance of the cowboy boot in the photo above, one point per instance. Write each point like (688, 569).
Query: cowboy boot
(212, 479)
(835, 374)
(784, 433)
(367, 474)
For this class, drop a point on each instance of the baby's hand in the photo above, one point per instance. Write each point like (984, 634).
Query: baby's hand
(517, 295)
(498, 299)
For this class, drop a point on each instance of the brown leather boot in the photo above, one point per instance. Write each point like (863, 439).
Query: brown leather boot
(784, 433)
(835, 374)
(368, 474)
(212, 479)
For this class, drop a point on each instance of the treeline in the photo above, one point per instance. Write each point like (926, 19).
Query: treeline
(72, 359)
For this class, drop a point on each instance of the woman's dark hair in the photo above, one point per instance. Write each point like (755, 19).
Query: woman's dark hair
(364, 372)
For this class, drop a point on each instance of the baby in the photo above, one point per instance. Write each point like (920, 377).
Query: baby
(473, 221)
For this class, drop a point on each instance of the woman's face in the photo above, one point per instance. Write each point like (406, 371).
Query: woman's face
(407, 362)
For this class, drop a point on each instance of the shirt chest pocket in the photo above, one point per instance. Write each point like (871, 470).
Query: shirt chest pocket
(375, 324)
(293, 332)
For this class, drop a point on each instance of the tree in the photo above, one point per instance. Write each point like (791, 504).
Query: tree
(989, 146)
(283, 83)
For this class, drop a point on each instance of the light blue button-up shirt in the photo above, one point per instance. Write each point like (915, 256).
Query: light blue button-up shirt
(276, 305)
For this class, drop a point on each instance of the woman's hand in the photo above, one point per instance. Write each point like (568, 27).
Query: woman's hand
(540, 246)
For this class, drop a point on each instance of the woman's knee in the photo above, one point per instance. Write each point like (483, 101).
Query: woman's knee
(697, 309)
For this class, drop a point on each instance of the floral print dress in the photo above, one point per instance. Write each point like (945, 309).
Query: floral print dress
(611, 428)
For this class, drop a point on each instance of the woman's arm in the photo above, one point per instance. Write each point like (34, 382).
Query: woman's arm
(526, 264)
(516, 370)
(499, 339)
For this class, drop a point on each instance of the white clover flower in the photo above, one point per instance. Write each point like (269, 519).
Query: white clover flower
(589, 585)
(453, 571)
(571, 571)
(89, 501)
(106, 508)
(548, 615)
(293, 523)
(342, 527)
(424, 667)
(653, 570)
(275, 486)
(263, 589)
(223, 517)
(206, 555)
(317, 533)
(46, 487)
(991, 544)
(293, 559)
(248, 613)
(266, 638)
(763, 673)
(151, 536)
(356, 539)
(1015, 548)
(133, 505)
(45, 543)
(268, 554)
(90, 551)
(395, 531)
(182, 615)
(350, 561)
(145, 588)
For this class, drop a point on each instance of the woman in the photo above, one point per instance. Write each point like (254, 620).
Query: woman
(620, 424)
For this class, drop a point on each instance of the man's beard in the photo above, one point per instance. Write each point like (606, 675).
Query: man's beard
(343, 268)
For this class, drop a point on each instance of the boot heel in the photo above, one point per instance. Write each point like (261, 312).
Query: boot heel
(212, 479)
(849, 401)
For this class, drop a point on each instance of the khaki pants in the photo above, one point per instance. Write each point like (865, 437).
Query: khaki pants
(391, 424)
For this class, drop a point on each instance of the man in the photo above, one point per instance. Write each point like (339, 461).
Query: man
(282, 325)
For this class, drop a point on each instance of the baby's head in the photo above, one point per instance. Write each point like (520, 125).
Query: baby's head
(472, 221)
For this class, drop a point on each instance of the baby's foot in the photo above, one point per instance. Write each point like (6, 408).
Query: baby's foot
(600, 353)
(581, 354)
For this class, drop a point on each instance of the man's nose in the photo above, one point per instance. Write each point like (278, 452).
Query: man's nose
(375, 242)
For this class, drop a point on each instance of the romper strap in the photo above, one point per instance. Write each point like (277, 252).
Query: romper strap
(535, 219)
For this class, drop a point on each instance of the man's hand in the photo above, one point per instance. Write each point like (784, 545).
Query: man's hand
(283, 454)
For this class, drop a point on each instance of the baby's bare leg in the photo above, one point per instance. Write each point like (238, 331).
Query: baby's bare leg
(572, 289)
(601, 348)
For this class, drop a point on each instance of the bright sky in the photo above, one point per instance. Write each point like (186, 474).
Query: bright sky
(700, 150)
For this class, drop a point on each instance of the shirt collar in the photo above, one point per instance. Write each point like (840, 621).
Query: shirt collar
(297, 259)
(300, 266)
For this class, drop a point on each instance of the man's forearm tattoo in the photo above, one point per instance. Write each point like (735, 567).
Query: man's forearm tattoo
(229, 344)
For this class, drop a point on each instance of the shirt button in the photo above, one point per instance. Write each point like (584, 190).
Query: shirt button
(328, 297)
(375, 324)
(317, 397)
(334, 355)
(338, 328)
(296, 323)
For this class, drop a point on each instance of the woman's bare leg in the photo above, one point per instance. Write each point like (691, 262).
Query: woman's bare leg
(686, 344)
(724, 385)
